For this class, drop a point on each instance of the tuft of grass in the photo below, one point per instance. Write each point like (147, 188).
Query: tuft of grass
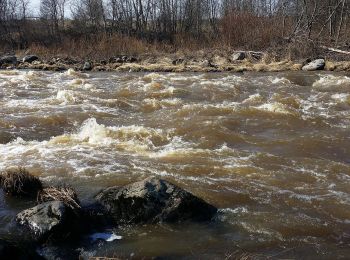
(19, 182)
(65, 194)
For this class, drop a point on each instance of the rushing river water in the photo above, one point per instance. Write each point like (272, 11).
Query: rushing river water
(272, 151)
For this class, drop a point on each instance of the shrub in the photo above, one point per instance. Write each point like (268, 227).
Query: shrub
(19, 182)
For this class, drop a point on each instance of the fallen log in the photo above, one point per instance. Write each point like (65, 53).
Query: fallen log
(335, 50)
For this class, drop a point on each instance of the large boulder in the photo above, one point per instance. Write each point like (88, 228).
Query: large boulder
(318, 64)
(153, 200)
(9, 59)
(30, 58)
(50, 221)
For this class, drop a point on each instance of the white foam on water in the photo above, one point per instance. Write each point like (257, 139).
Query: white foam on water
(277, 108)
(66, 96)
(330, 81)
(279, 80)
(72, 73)
(253, 99)
(341, 97)
(138, 139)
(238, 210)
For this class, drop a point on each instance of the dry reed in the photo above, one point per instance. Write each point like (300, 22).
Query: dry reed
(19, 182)
(65, 194)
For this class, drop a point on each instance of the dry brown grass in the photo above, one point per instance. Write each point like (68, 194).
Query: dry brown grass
(99, 47)
(65, 194)
(19, 182)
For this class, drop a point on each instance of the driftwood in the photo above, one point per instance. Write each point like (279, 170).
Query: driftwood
(65, 194)
(335, 50)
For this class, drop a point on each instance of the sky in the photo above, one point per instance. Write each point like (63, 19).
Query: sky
(35, 6)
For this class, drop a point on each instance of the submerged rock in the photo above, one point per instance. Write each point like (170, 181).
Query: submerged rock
(154, 200)
(19, 182)
(50, 221)
(318, 64)
(30, 58)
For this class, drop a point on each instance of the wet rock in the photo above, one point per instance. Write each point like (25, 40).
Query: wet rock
(318, 64)
(95, 216)
(60, 252)
(19, 182)
(10, 59)
(87, 66)
(238, 56)
(154, 200)
(30, 58)
(50, 221)
(12, 251)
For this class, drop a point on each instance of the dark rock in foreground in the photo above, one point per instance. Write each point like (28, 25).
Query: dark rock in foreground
(154, 200)
(11, 251)
(50, 221)
(30, 58)
(318, 64)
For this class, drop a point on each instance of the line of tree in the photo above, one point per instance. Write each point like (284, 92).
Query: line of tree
(235, 23)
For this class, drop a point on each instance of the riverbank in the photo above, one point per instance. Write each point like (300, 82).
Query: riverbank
(198, 62)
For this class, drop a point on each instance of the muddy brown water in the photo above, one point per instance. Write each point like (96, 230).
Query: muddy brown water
(271, 151)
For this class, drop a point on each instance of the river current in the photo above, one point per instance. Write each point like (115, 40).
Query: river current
(271, 151)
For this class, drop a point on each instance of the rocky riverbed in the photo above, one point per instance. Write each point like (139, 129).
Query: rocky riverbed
(235, 62)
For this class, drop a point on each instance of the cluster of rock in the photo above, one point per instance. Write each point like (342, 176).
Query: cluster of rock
(56, 218)
(236, 61)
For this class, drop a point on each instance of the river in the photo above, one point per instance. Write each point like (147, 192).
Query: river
(271, 151)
